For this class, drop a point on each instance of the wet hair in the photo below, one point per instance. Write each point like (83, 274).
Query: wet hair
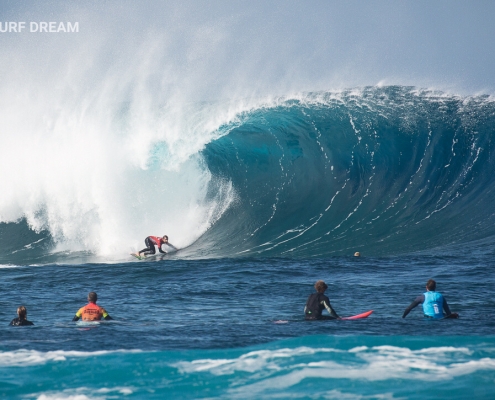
(321, 286)
(92, 296)
(165, 237)
(22, 312)
(431, 285)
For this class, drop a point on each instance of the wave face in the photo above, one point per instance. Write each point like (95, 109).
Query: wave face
(380, 170)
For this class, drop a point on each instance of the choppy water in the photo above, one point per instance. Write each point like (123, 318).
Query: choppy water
(205, 329)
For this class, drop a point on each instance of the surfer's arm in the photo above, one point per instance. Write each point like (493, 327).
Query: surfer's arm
(105, 315)
(415, 303)
(78, 315)
(446, 307)
(160, 250)
(330, 310)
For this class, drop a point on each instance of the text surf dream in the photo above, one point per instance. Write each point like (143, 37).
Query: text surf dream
(39, 27)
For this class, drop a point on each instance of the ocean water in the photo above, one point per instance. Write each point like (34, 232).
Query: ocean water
(264, 198)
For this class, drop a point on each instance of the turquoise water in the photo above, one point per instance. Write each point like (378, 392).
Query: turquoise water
(307, 367)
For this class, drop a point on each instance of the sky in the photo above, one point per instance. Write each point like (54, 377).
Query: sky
(216, 49)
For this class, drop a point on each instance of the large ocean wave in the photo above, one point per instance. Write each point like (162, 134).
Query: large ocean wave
(380, 170)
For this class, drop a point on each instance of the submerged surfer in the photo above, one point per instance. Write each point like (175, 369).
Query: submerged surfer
(91, 312)
(433, 303)
(21, 319)
(317, 302)
(152, 241)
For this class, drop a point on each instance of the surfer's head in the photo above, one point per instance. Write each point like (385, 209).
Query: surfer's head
(92, 297)
(321, 286)
(165, 238)
(22, 312)
(431, 285)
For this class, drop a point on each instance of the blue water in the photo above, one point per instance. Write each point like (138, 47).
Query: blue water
(402, 175)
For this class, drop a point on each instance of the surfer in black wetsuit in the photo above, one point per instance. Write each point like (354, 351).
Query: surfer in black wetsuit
(317, 302)
(21, 320)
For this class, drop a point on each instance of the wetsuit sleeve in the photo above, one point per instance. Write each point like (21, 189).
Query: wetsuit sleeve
(328, 306)
(446, 306)
(78, 315)
(415, 303)
(160, 248)
(105, 315)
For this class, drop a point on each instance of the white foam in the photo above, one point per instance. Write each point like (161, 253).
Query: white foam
(4, 266)
(281, 369)
(84, 393)
(249, 362)
(24, 358)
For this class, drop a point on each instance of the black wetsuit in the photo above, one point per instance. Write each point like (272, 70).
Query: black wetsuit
(420, 300)
(315, 304)
(20, 322)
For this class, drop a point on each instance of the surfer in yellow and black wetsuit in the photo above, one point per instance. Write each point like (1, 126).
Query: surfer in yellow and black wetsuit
(91, 311)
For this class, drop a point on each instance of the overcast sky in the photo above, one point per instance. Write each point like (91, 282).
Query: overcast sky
(213, 48)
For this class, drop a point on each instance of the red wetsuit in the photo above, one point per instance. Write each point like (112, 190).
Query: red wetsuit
(157, 240)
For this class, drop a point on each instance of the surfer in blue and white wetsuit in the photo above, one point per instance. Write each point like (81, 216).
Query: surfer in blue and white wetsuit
(433, 303)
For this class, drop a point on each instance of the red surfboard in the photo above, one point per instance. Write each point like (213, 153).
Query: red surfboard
(359, 316)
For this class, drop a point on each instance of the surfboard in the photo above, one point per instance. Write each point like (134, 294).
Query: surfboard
(351, 318)
(138, 257)
(359, 316)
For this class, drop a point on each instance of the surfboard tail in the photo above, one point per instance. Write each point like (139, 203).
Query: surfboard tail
(359, 316)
